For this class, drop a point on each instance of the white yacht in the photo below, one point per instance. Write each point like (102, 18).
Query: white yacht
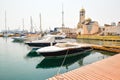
(46, 40)
(60, 49)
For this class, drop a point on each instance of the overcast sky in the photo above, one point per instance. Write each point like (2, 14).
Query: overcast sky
(103, 11)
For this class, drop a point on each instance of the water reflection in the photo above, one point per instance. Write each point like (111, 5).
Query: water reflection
(5, 39)
(32, 54)
(105, 53)
(17, 41)
(56, 62)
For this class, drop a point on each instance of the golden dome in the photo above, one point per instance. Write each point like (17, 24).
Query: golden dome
(88, 19)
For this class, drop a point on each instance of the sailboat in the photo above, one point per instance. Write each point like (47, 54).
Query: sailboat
(22, 36)
(6, 32)
(48, 40)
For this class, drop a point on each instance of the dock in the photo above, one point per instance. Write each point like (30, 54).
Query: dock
(106, 69)
(102, 38)
(109, 48)
(115, 49)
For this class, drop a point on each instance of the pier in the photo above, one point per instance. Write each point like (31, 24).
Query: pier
(102, 38)
(115, 49)
(106, 69)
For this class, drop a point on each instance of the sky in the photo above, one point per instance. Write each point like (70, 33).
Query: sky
(103, 11)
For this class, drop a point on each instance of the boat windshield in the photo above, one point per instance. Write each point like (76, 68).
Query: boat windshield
(65, 45)
(48, 38)
(57, 37)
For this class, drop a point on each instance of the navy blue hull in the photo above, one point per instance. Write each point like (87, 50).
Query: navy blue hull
(64, 52)
(39, 44)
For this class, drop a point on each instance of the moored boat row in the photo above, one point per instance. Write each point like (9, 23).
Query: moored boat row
(54, 45)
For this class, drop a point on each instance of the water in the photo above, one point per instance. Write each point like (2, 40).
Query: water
(18, 62)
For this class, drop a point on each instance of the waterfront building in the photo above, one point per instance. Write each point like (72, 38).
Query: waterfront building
(118, 24)
(113, 24)
(70, 32)
(112, 30)
(87, 26)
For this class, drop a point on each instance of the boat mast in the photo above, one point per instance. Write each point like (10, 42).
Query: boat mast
(40, 24)
(5, 23)
(62, 17)
(31, 29)
(23, 24)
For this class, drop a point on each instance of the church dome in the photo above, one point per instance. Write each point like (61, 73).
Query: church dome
(89, 19)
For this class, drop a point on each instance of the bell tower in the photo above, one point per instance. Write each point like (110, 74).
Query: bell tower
(82, 15)
(81, 18)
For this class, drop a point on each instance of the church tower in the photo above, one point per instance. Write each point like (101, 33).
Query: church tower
(81, 18)
(82, 15)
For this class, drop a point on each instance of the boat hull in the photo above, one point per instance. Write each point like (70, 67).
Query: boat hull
(40, 44)
(72, 51)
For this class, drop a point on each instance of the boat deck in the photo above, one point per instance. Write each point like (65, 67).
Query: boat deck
(106, 69)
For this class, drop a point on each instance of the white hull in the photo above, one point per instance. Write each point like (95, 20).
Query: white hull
(62, 49)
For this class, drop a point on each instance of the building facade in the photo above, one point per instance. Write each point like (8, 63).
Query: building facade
(70, 32)
(86, 26)
(112, 30)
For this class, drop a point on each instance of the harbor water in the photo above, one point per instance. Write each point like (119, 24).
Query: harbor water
(19, 62)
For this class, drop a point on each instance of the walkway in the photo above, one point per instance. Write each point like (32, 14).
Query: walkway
(106, 69)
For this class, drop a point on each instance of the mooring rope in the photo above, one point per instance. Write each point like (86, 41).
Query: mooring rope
(62, 62)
